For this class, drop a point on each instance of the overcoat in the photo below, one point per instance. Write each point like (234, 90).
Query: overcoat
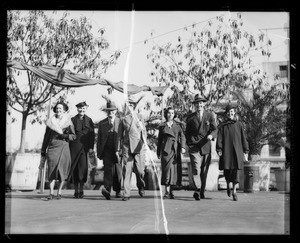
(131, 133)
(197, 132)
(85, 138)
(57, 150)
(232, 142)
(112, 166)
(170, 139)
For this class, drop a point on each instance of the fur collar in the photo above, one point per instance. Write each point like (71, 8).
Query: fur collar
(58, 125)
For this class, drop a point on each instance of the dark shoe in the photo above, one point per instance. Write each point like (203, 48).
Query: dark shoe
(125, 198)
(142, 192)
(106, 194)
(58, 196)
(80, 195)
(172, 196)
(118, 195)
(167, 195)
(50, 197)
(228, 192)
(76, 195)
(196, 196)
(202, 196)
(235, 198)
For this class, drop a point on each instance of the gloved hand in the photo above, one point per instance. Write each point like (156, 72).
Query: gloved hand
(63, 136)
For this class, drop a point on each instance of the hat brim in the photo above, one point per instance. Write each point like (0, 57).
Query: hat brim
(79, 106)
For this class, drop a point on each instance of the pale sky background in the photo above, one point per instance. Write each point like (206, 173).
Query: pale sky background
(166, 26)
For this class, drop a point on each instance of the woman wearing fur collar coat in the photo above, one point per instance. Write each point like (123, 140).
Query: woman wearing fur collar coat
(55, 147)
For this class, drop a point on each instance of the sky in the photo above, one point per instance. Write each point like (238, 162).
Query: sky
(165, 27)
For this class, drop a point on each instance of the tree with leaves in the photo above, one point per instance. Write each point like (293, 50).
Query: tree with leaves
(216, 60)
(212, 60)
(264, 114)
(36, 38)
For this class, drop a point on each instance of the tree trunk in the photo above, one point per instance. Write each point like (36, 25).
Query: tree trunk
(23, 133)
(8, 129)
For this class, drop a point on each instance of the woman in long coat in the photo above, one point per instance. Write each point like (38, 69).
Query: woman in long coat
(170, 135)
(232, 147)
(55, 147)
(83, 144)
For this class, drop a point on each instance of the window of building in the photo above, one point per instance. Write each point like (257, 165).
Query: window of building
(283, 71)
(274, 150)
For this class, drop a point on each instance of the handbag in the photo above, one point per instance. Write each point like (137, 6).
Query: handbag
(97, 176)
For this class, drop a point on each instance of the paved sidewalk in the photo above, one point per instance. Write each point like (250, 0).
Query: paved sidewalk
(254, 213)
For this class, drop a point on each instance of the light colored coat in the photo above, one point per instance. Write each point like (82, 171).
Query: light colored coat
(131, 133)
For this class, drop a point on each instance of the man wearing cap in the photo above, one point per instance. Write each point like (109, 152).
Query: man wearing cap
(133, 134)
(201, 128)
(84, 143)
(108, 151)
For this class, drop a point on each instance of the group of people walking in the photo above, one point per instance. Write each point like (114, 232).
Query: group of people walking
(121, 144)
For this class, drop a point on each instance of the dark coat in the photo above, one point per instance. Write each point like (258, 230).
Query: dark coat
(103, 135)
(170, 140)
(231, 141)
(197, 132)
(85, 137)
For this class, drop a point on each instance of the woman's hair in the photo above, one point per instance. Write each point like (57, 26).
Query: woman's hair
(166, 110)
(66, 108)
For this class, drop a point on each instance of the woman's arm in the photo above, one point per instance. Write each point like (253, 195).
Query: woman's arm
(46, 141)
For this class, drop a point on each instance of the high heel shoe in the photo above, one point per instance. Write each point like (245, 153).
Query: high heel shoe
(50, 197)
(80, 194)
(58, 196)
(235, 198)
(76, 195)
(228, 192)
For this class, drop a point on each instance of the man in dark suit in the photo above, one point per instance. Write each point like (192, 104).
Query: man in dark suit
(133, 135)
(201, 128)
(108, 151)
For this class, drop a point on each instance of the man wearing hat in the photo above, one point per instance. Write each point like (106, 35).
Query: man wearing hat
(84, 143)
(108, 151)
(132, 135)
(201, 128)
